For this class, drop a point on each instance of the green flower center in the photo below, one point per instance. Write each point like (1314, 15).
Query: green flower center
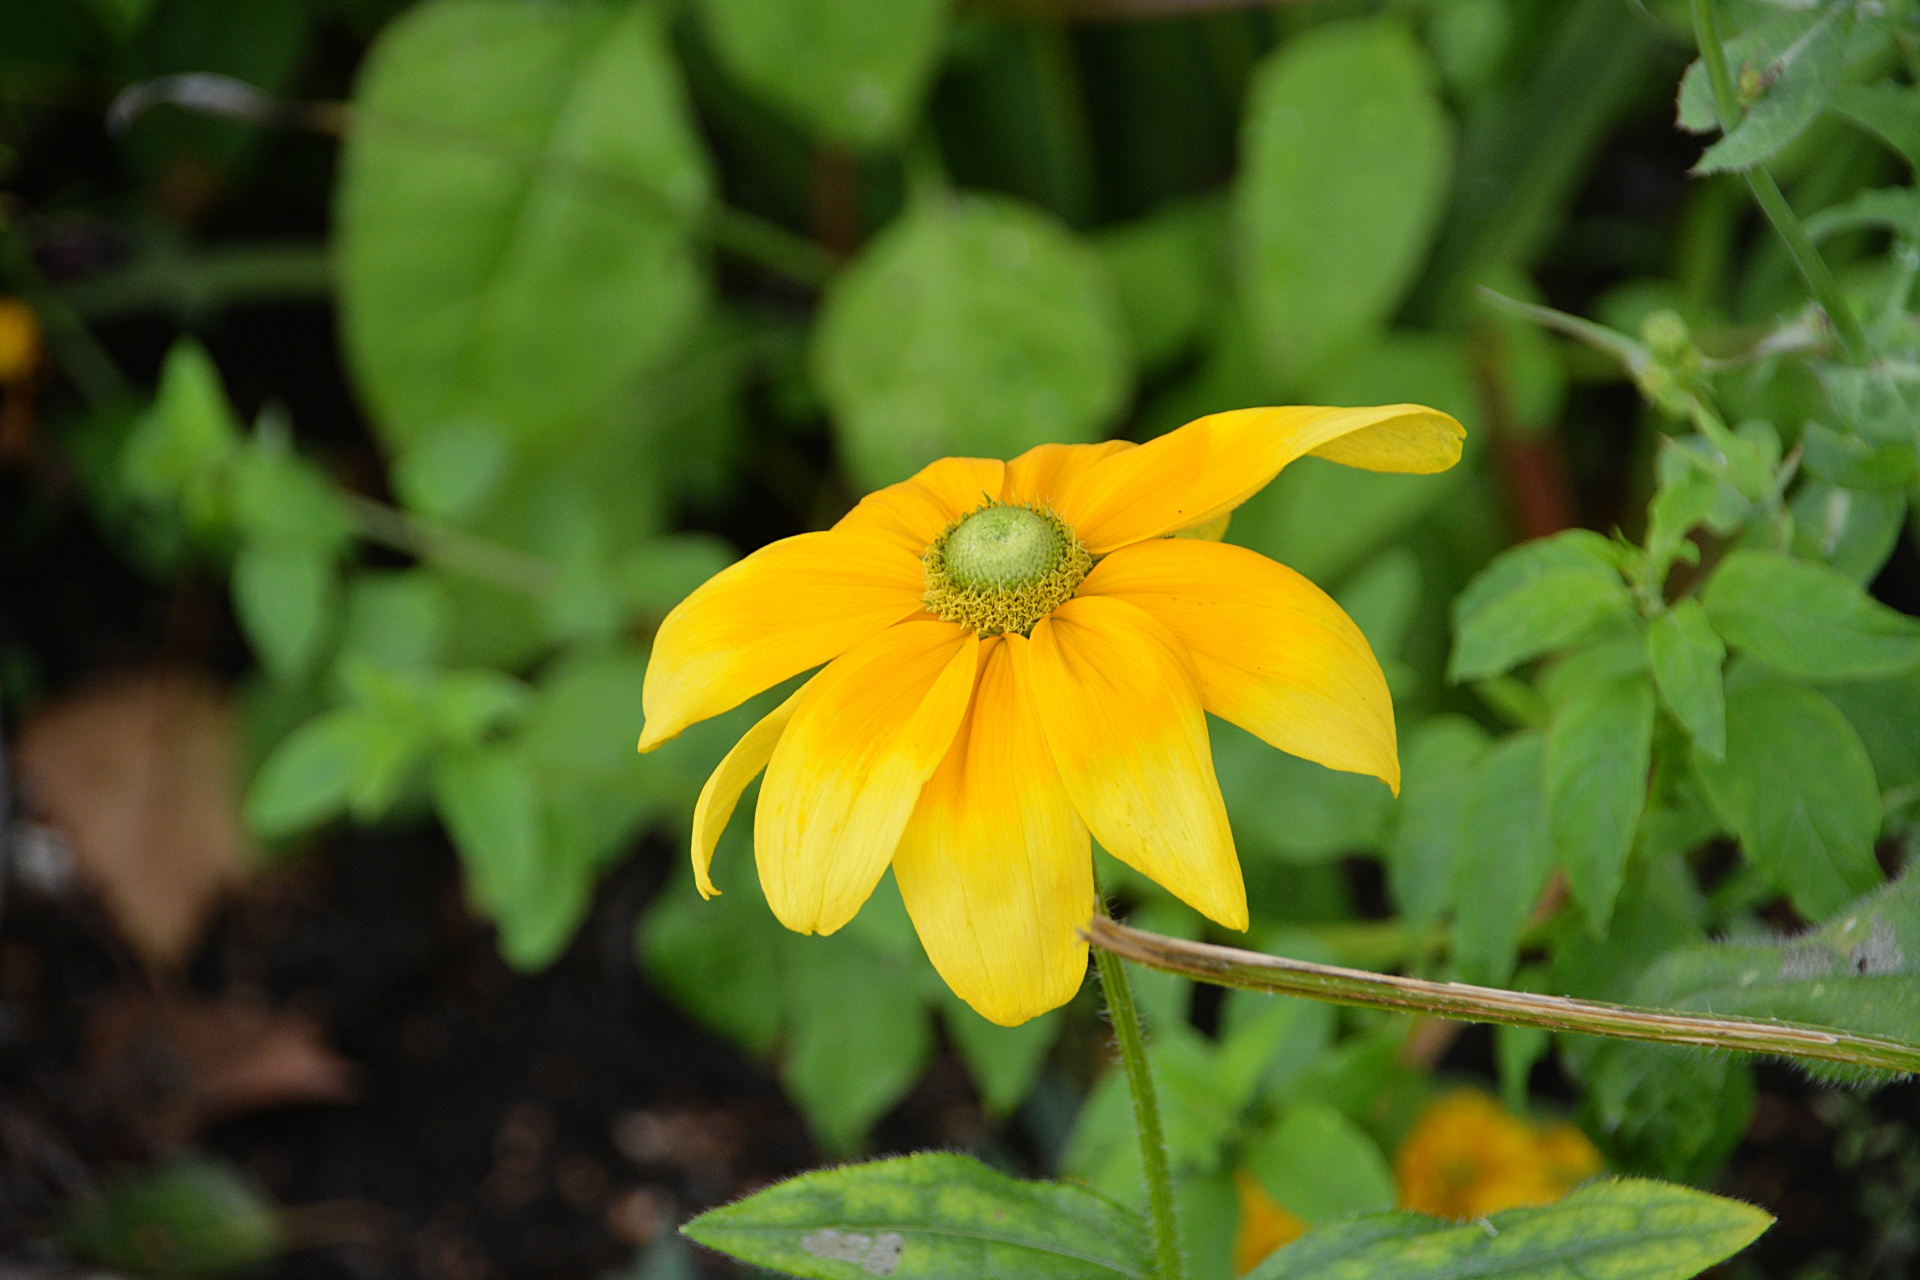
(1003, 568)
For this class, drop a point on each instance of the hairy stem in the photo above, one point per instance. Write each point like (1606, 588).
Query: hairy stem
(1146, 1109)
(1766, 193)
(1231, 967)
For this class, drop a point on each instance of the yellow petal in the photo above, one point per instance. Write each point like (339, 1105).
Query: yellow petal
(866, 735)
(915, 512)
(789, 606)
(1120, 703)
(1275, 654)
(1210, 466)
(722, 792)
(995, 866)
(1040, 472)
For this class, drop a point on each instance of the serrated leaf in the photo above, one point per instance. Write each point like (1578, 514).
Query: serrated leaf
(1854, 530)
(1599, 749)
(1623, 1229)
(513, 215)
(1345, 157)
(1806, 619)
(1436, 765)
(1794, 85)
(1503, 860)
(1539, 597)
(1858, 972)
(286, 596)
(850, 71)
(1685, 655)
(973, 325)
(933, 1216)
(1798, 788)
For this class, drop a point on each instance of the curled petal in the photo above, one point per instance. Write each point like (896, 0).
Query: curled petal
(1274, 653)
(789, 606)
(722, 791)
(1120, 703)
(1205, 469)
(995, 866)
(867, 733)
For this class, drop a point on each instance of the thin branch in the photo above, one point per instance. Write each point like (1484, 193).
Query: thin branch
(449, 548)
(1249, 970)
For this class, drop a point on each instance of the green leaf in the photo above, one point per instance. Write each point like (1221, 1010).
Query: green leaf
(1886, 715)
(1798, 79)
(179, 450)
(188, 1216)
(1807, 620)
(1623, 1229)
(849, 1060)
(1293, 810)
(933, 1216)
(1345, 155)
(1889, 111)
(720, 960)
(1854, 530)
(281, 496)
(310, 775)
(1536, 598)
(1599, 749)
(1503, 860)
(1798, 788)
(1685, 654)
(973, 325)
(1858, 972)
(513, 215)
(850, 71)
(396, 619)
(1168, 272)
(491, 804)
(286, 595)
(452, 469)
(1004, 1061)
(1320, 1165)
(1435, 769)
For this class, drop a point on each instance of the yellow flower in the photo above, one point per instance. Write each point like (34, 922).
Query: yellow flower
(1265, 1224)
(1466, 1157)
(1017, 653)
(19, 340)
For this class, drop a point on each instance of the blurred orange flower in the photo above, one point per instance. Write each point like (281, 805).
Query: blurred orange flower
(19, 341)
(1265, 1224)
(1467, 1156)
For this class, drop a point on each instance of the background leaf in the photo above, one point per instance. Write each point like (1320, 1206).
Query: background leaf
(1504, 857)
(1685, 654)
(1599, 749)
(1807, 620)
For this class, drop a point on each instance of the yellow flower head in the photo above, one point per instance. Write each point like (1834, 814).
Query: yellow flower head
(1467, 1156)
(19, 340)
(1017, 653)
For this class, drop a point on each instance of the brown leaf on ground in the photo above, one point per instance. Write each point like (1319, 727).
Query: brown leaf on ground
(186, 1062)
(138, 774)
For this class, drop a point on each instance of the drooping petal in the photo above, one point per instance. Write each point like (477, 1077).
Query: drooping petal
(1043, 470)
(1120, 703)
(791, 605)
(1213, 464)
(867, 733)
(995, 866)
(915, 512)
(722, 791)
(1275, 654)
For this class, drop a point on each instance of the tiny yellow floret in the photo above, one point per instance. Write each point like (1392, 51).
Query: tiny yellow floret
(1002, 568)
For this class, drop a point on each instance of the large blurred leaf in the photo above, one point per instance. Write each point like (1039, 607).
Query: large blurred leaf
(1318, 1164)
(513, 214)
(934, 1216)
(973, 325)
(1345, 155)
(1167, 269)
(1807, 619)
(188, 1216)
(1623, 1230)
(1798, 788)
(1294, 810)
(1858, 972)
(852, 71)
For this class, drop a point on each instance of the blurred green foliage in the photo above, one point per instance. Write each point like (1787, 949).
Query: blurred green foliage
(610, 277)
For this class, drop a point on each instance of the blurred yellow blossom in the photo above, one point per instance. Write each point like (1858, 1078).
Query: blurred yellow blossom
(19, 340)
(1467, 1156)
(1265, 1224)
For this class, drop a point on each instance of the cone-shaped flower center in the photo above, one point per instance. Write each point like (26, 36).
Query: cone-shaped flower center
(1003, 568)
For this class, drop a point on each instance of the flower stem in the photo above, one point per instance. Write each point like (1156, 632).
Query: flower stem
(1766, 193)
(1230, 967)
(1146, 1109)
